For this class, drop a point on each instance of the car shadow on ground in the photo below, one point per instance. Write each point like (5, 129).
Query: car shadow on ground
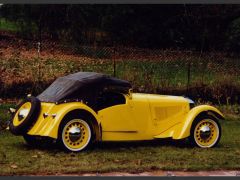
(150, 143)
(111, 146)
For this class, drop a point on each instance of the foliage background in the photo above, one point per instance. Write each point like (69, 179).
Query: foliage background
(190, 50)
(196, 27)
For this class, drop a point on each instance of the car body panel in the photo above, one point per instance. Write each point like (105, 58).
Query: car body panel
(184, 129)
(142, 117)
(130, 123)
(49, 126)
(167, 111)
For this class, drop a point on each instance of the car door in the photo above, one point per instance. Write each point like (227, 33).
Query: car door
(118, 117)
(130, 120)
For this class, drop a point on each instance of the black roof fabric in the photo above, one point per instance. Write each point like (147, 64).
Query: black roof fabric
(83, 86)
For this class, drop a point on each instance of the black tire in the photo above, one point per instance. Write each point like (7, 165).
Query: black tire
(192, 139)
(31, 118)
(60, 140)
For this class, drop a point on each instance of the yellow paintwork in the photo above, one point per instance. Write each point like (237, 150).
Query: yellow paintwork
(49, 126)
(142, 117)
(185, 127)
(16, 120)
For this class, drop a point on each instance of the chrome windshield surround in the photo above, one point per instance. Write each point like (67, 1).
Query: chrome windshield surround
(191, 102)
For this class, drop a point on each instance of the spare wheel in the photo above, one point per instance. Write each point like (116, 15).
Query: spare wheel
(25, 116)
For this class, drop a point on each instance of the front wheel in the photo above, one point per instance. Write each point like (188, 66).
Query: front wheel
(75, 135)
(205, 132)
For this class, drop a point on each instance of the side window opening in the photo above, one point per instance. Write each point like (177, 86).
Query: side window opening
(108, 99)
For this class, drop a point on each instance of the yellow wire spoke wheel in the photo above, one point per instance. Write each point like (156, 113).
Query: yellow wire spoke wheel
(206, 133)
(76, 135)
(22, 114)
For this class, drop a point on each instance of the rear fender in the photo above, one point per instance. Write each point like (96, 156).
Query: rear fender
(192, 115)
(48, 126)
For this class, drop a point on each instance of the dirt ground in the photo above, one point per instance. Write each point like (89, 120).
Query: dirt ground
(163, 173)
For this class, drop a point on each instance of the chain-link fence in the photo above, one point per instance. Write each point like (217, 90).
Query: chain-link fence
(29, 67)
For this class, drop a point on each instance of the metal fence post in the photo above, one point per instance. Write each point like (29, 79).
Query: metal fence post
(114, 62)
(39, 48)
(39, 62)
(188, 76)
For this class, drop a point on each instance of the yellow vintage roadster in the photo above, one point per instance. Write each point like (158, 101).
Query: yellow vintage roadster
(79, 109)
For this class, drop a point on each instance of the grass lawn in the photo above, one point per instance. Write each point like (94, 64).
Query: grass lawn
(16, 157)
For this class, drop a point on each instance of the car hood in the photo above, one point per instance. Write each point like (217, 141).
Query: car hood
(161, 98)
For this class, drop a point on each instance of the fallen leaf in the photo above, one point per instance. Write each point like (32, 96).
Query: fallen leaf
(72, 155)
(40, 153)
(14, 166)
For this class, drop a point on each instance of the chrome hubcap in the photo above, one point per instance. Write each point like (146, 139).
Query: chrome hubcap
(22, 114)
(205, 132)
(74, 133)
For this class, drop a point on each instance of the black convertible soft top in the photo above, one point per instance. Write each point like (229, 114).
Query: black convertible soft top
(85, 86)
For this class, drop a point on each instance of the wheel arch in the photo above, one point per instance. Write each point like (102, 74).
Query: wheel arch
(207, 113)
(194, 114)
(85, 115)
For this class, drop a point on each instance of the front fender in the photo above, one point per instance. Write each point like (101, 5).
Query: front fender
(48, 126)
(192, 114)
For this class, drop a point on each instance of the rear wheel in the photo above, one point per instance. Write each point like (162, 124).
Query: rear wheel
(205, 132)
(75, 135)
